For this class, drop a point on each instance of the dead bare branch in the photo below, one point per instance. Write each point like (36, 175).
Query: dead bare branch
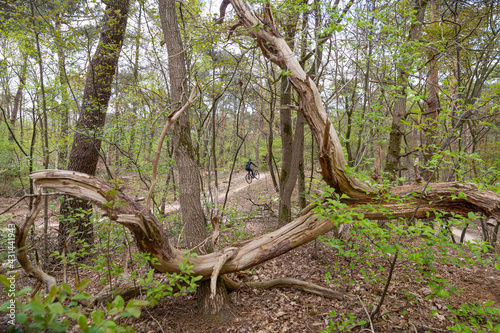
(171, 120)
(29, 196)
(286, 282)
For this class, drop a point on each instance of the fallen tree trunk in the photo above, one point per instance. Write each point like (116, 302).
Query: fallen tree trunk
(152, 238)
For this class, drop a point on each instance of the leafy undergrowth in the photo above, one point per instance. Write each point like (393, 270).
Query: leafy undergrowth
(436, 286)
(410, 304)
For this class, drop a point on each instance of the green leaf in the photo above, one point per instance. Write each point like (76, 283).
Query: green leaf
(137, 303)
(82, 285)
(119, 303)
(36, 306)
(22, 318)
(97, 316)
(82, 321)
(81, 296)
(134, 311)
(66, 287)
(56, 308)
(4, 281)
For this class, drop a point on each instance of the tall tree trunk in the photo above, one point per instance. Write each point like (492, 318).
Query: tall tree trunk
(189, 183)
(399, 112)
(135, 72)
(432, 103)
(286, 126)
(87, 139)
(64, 106)
(45, 139)
(287, 190)
(19, 95)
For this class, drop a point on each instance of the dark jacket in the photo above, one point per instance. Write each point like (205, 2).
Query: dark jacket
(249, 163)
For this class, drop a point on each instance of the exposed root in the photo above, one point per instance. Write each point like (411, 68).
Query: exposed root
(127, 292)
(287, 282)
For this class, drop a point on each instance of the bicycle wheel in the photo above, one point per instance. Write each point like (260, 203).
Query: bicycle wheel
(256, 174)
(248, 178)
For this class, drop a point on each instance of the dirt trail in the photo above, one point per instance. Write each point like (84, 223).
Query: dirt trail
(238, 184)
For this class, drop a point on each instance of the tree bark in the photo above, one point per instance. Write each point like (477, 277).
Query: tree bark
(286, 125)
(399, 112)
(87, 139)
(432, 103)
(193, 217)
(287, 188)
(189, 185)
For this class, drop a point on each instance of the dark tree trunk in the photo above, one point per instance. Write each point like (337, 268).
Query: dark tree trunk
(87, 139)
(286, 125)
(189, 185)
(287, 189)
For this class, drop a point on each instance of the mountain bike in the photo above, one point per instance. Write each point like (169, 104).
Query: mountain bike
(249, 177)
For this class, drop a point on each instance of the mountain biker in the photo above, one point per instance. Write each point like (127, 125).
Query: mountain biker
(248, 167)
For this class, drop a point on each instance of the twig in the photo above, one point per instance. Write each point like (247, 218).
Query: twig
(28, 196)
(384, 293)
(171, 120)
(367, 314)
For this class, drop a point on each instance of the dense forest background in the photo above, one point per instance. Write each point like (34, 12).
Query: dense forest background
(358, 54)
(411, 87)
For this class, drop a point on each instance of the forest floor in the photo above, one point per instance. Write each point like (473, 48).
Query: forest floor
(252, 208)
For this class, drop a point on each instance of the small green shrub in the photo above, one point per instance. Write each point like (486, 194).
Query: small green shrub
(475, 317)
(59, 310)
